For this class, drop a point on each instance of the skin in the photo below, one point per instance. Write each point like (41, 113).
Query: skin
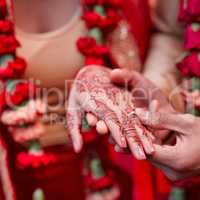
(93, 92)
(177, 161)
(148, 98)
(181, 160)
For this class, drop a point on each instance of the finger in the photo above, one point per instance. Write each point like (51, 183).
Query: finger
(116, 132)
(132, 128)
(146, 142)
(74, 123)
(123, 77)
(101, 127)
(91, 119)
(110, 119)
(165, 155)
(136, 148)
(182, 123)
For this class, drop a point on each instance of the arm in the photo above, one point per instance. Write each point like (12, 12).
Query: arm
(160, 66)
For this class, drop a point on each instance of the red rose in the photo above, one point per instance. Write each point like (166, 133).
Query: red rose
(86, 45)
(92, 19)
(18, 66)
(13, 69)
(190, 65)
(100, 183)
(6, 26)
(27, 160)
(189, 10)
(193, 7)
(110, 21)
(18, 92)
(2, 101)
(192, 36)
(89, 47)
(8, 44)
(94, 61)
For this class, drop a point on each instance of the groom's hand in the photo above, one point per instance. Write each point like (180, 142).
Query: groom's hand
(182, 159)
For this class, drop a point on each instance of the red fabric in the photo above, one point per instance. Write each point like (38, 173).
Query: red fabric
(1, 192)
(62, 180)
(143, 178)
(163, 186)
(137, 14)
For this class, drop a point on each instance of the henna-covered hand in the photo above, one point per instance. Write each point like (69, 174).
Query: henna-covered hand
(93, 92)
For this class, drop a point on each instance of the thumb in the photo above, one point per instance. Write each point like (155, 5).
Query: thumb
(125, 77)
(165, 155)
(182, 123)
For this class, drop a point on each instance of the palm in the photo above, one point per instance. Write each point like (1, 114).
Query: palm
(143, 92)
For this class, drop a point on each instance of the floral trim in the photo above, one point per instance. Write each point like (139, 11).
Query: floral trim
(189, 65)
(101, 17)
(15, 93)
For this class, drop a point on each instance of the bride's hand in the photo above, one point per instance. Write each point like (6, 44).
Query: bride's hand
(145, 94)
(93, 92)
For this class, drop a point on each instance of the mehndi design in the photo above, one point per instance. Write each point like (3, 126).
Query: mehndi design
(93, 92)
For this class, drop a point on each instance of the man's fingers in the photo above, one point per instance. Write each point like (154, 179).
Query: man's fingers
(125, 77)
(182, 123)
(166, 155)
(154, 106)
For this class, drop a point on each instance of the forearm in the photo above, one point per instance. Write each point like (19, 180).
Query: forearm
(160, 65)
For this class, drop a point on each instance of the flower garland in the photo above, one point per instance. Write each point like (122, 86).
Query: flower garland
(189, 66)
(101, 17)
(16, 95)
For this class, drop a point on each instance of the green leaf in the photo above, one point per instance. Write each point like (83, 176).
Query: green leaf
(97, 34)
(85, 126)
(195, 27)
(195, 83)
(193, 111)
(100, 10)
(34, 146)
(96, 168)
(5, 59)
(177, 194)
(38, 194)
